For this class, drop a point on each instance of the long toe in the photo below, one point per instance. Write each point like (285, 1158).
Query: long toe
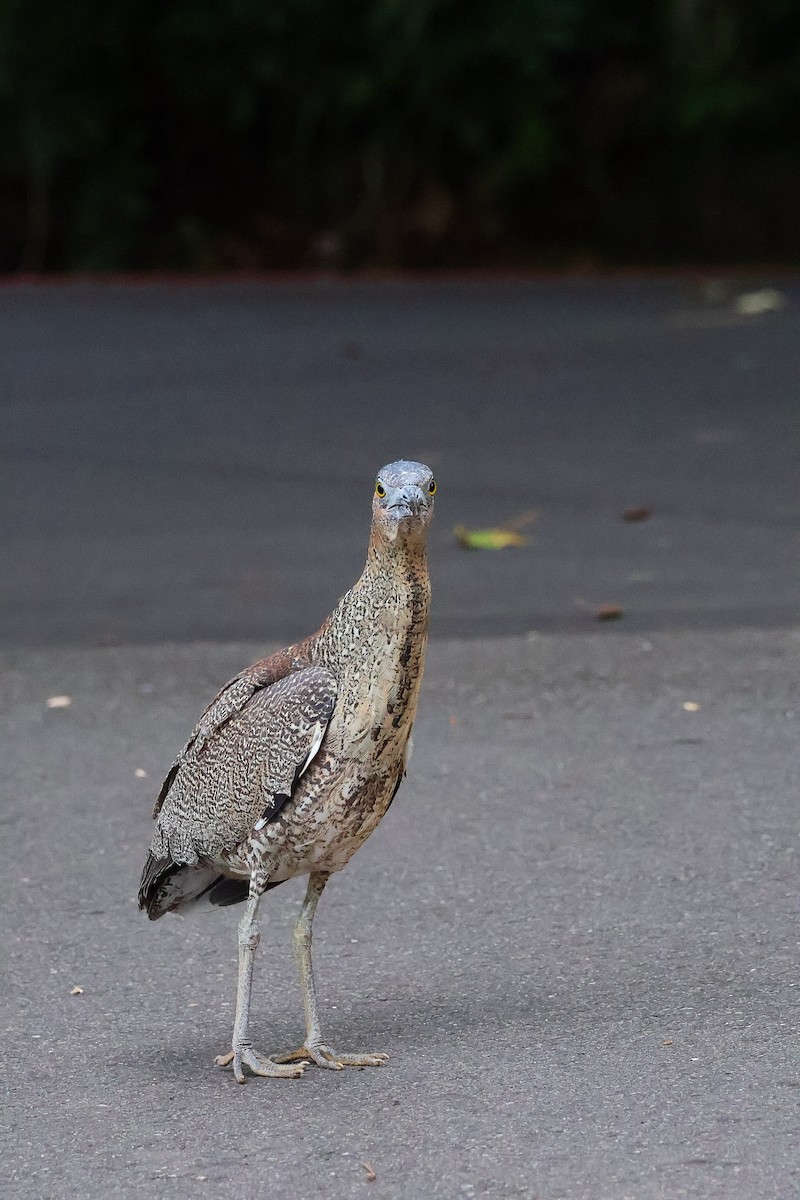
(258, 1065)
(324, 1056)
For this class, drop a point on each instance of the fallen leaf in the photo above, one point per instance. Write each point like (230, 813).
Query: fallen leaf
(76, 991)
(371, 1176)
(637, 513)
(691, 706)
(753, 304)
(453, 721)
(497, 538)
(488, 539)
(609, 612)
(59, 701)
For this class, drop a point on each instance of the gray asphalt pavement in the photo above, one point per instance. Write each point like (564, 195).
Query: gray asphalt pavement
(575, 932)
(183, 463)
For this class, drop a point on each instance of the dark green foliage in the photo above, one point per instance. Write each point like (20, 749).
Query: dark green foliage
(214, 134)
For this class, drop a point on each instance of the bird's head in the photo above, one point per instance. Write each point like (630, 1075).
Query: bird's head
(402, 504)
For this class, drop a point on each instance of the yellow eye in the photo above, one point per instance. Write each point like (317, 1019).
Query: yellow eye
(380, 490)
(432, 487)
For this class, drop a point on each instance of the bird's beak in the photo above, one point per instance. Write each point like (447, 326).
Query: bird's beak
(410, 502)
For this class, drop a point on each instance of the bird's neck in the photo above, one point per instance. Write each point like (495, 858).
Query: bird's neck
(386, 610)
(374, 642)
(402, 559)
(396, 579)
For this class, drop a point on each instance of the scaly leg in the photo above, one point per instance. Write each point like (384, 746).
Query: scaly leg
(314, 1048)
(243, 1055)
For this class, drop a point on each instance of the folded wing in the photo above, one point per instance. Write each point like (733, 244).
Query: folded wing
(242, 774)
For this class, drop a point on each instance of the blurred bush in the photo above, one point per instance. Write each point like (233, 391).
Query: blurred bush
(216, 134)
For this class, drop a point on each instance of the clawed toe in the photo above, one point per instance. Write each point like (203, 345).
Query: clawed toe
(323, 1056)
(258, 1065)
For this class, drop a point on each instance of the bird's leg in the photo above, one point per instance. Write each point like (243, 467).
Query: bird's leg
(314, 1048)
(243, 1055)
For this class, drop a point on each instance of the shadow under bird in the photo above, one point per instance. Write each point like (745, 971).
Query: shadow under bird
(292, 766)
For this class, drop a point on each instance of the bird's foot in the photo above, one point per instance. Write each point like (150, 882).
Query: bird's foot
(323, 1056)
(246, 1056)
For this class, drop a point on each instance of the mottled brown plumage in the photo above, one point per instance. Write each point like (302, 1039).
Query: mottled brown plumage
(294, 763)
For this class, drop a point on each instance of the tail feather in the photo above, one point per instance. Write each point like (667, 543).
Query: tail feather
(223, 891)
(156, 872)
(168, 886)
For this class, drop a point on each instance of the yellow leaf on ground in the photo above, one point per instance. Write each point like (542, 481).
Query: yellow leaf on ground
(488, 539)
(497, 538)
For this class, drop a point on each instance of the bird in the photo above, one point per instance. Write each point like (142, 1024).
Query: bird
(294, 763)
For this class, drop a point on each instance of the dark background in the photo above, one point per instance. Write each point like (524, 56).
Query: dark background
(210, 135)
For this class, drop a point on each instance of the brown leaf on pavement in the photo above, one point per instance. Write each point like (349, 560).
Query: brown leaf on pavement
(609, 612)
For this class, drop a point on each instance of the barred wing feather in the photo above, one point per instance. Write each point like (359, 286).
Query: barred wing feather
(247, 769)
